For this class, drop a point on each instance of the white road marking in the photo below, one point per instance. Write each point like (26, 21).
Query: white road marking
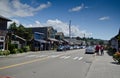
(75, 58)
(63, 57)
(54, 56)
(36, 56)
(80, 58)
(67, 57)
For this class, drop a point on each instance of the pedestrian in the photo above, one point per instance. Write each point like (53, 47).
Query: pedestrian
(41, 47)
(102, 50)
(97, 49)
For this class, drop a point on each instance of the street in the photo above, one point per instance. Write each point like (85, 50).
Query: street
(49, 64)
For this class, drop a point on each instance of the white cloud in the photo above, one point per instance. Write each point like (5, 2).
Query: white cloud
(36, 24)
(77, 8)
(13, 20)
(61, 26)
(12, 8)
(104, 18)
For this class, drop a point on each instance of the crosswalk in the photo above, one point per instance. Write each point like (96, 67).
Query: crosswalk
(56, 56)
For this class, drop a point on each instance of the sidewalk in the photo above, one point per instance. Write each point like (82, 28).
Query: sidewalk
(104, 67)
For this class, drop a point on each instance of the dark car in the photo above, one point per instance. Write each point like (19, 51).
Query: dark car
(67, 47)
(61, 48)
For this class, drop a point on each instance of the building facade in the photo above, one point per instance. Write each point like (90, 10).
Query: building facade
(115, 41)
(60, 36)
(18, 41)
(44, 38)
(3, 33)
(48, 32)
(3, 37)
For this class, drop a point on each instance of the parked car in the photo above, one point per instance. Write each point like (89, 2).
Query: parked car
(82, 47)
(61, 48)
(67, 47)
(90, 50)
(71, 47)
(75, 47)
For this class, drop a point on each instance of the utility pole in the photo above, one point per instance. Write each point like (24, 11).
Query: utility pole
(85, 39)
(69, 31)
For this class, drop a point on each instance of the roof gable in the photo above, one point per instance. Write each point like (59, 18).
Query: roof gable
(4, 18)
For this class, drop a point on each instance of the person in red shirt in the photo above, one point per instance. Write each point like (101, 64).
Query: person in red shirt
(97, 49)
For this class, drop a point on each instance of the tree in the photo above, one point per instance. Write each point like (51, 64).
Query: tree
(13, 27)
(78, 38)
(21, 31)
(101, 42)
(28, 34)
(92, 43)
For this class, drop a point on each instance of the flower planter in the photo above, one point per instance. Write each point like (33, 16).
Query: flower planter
(116, 57)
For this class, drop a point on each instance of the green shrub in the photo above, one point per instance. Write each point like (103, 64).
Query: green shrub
(1, 53)
(20, 50)
(26, 48)
(11, 47)
(5, 52)
(111, 51)
(14, 51)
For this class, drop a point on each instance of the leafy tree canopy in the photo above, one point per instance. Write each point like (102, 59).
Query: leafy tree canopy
(21, 31)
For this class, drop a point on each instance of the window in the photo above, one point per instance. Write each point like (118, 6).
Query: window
(1, 46)
(2, 38)
(38, 36)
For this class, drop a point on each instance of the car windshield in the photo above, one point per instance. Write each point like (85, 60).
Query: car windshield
(90, 47)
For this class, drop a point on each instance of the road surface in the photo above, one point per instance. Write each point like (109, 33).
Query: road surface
(47, 64)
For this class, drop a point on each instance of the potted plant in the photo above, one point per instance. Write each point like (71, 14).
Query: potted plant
(116, 57)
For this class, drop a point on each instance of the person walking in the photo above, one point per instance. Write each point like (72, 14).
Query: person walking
(102, 50)
(97, 49)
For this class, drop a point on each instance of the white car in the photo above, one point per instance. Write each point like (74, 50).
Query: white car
(90, 50)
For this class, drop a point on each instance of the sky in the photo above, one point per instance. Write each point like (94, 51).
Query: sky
(90, 18)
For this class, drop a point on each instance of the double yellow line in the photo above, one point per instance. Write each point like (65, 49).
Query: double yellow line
(31, 61)
(23, 63)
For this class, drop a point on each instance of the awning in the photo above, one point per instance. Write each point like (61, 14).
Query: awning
(65, 40)
(61, 41)
(41, 41)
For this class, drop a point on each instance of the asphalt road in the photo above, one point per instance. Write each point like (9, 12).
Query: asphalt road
(47, 64)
